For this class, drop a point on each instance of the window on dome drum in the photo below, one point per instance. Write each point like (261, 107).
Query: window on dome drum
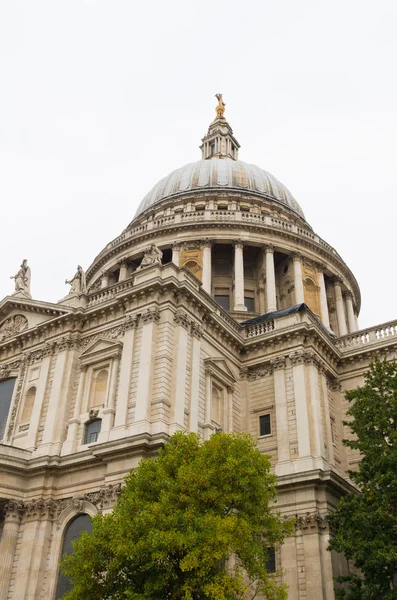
(212, 149)
(265, 425)
(249, 303)
(223, 301)
(72, 532)
(271, 561)
(6, 391)
(92, 429)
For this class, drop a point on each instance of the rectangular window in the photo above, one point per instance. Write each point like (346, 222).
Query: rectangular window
(223, 301)
(6, 391)
(264, 425)
(212, 149)
(271, 560)
(249, 303)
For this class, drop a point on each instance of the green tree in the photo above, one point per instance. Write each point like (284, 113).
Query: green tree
(365, 525)
(195, 523)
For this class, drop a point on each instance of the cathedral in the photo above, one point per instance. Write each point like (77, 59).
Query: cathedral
(218, 308)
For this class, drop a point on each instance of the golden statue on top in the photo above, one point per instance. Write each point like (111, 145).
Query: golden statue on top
(220, 109)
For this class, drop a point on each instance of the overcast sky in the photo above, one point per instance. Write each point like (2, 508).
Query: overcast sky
(100, 99)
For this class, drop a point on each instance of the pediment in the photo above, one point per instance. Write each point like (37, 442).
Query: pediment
(101, 348)
(18, 315)
(219, 368)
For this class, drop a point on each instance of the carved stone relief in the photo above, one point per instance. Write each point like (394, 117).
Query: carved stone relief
(12, 326)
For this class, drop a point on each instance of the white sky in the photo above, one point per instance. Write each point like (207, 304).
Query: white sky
(99, 100)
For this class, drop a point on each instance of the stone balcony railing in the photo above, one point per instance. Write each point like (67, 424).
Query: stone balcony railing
(210, 216)
(368, 337)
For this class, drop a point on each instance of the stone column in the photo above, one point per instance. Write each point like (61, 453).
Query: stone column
(123, 270)
(207, 277)
(109, 410)
(323, 297)
(356, 320)
(150, 318)
(298, 280)
(340, 307)
(239, 276)
(197, 333)
(120, 421)
(207, 415)
(13, 513)
(104, 279)
(351, 319)
(69, 444)
(181, 320)
(176, 249)
(271, 302)
(283, 465)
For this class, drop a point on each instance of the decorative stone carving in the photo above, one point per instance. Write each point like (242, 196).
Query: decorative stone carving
(306, 357)
(22, 280)
(78, 284)
(93, 413)
(4, 372)
(112, 334)
(152, 314)
(181, 318)
(130, 321)
(278, 363)
(17, 398)
(12, 326)
(14, 509)
(244, 373)
(311, 521)
(68, 343)
(95, 287)
(46, 350)
(197, 330)
(151, 256)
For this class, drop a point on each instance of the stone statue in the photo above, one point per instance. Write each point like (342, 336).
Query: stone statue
(77, 282)
(22, 280)
(151, 256)
(220, 109)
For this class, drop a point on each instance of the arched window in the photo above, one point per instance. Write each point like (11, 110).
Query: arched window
(92, 429)
(72, 531)
(6, 391)
(98, 388)
(28, 405)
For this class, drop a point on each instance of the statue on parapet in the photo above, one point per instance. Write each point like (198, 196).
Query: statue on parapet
(22, 280)
(151, 256)
(220, 109)
(78, 284)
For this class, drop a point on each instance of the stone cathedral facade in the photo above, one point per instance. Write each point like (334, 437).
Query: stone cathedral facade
(217, 308)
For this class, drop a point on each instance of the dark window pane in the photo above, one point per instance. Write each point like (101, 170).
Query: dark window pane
(223, 301)
(271, 561)
(264, 425)
(72, 532)
(92, 429)
(250, 304)
(6, 390)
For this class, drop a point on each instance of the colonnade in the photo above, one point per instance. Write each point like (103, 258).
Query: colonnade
(345, 315)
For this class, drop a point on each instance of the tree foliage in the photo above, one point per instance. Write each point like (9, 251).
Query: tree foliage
(365, 525)
(195, 523)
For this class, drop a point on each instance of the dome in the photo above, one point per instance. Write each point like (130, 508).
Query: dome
(220, 174)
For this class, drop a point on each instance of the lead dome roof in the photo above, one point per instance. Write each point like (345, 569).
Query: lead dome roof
(220, 174)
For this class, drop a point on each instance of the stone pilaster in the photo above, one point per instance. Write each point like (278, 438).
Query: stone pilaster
(280, 398)
(182, 325)
(13, 514)
(150, 318)
(109, 411)
(197, 333)
(176, 250)
(70, 443)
